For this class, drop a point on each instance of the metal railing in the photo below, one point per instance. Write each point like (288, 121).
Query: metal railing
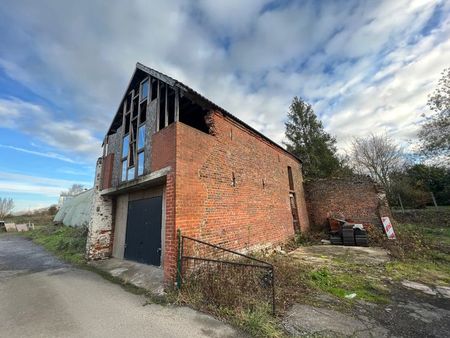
(224, 277)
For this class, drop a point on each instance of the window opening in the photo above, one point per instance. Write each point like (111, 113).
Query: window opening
(135, 107)
(143, 113)
(154, 89)
(128, 102)
(141, 163)
(125, 146)
(133, 130)
(127, 123)
(193, 114)
(294, 212)
(162, 105)
(124, 170)
(141, 137)
(131, 157)
(171, 105)
(131, 173)
(144, 89)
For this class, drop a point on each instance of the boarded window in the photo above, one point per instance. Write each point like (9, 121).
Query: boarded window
(291, 179)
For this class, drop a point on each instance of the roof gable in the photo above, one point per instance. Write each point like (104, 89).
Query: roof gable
(190, 93)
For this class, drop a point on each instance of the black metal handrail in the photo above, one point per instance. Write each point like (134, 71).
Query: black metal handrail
(193, 263)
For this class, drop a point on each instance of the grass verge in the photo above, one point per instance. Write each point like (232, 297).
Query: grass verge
(66, 243)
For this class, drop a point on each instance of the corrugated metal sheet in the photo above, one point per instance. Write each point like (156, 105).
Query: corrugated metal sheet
(77, 211)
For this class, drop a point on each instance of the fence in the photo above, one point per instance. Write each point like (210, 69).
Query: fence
(224, 278)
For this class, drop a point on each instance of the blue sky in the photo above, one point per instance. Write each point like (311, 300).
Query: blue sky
(366, 66)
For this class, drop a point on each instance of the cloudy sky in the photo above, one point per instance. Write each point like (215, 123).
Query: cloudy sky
(366, 66)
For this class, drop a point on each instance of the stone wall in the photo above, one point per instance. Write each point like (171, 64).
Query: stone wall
(99, 238)
(355, 198)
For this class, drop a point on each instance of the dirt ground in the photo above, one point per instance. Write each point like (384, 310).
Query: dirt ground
(414, 309)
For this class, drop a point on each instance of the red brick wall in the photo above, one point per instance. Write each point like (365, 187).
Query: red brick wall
(200, 199)
(163, 148)
(163, 155)
(358, 199)
(242, 217)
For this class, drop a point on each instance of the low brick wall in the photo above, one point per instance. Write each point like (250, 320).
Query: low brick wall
(358, 199)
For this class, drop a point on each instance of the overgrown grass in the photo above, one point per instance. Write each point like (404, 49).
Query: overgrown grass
(67, 243)
(342, 284)
(257, 320)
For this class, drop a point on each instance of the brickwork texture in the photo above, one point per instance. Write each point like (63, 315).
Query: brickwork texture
(355, 198)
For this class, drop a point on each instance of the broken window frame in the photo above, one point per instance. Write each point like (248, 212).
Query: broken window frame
(133, 149)
(144, 95)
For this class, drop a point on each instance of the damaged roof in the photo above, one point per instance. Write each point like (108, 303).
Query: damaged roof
(196, 97)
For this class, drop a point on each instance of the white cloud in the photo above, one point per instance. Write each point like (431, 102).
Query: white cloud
(36, 121)
(20, 183)
(37, 153)
(363, 65)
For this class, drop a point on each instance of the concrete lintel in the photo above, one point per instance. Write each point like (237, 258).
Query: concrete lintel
(155, 178)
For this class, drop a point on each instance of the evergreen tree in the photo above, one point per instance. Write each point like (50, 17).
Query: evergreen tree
(307, 139)
(435, 132)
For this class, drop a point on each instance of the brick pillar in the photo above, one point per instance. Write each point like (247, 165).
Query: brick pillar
(99, 238)
(171, 242)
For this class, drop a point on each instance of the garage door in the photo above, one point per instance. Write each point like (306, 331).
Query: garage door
(143, 236)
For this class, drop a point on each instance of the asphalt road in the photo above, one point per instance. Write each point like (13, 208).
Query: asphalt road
(40, 296)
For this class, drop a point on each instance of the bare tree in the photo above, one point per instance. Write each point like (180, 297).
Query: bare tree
(6, 206)
(75, 189)
(377, 156)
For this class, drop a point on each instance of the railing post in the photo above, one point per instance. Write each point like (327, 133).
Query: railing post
(273, 291)
(179, 259)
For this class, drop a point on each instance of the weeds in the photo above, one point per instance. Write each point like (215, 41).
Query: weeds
(258, 322)
(65, 242)
(342, 284)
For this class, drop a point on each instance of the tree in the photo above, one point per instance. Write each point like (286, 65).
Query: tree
(75, 189)
(6, 206)
(378, 156)
(53, 209)
(307, 139)
(434, 134)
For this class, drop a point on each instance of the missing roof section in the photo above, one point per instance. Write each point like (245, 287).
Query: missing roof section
(193, 115)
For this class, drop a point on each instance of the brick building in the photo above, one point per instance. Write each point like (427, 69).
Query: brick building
(173, 160)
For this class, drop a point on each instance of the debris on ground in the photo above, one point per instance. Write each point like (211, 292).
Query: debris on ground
(346, 232)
